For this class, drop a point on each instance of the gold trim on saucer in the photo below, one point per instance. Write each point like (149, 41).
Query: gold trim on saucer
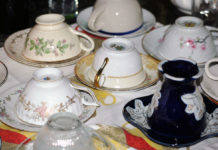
(149, 64)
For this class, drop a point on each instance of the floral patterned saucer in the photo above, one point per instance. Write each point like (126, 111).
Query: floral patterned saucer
(3, 73)
(148, 22)
(9, 99)
(14, 46)
(151, 41)
(149, 64)
(135, 113)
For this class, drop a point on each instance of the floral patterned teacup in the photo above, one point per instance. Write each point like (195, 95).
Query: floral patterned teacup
(187, 38)
(49, 92)
(51, 39)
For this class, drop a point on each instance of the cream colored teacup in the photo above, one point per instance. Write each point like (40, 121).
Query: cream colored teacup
(117, 64)
(51, 39)
(187, 38)
(116, 16)
(49, 92)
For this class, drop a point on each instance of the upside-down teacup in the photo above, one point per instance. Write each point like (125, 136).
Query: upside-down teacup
(116, 16)
(51, 39)
(187, 38)
(117, 64)
(49, 92)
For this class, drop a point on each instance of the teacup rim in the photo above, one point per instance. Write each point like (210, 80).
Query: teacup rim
(193, 22)
(43, 19)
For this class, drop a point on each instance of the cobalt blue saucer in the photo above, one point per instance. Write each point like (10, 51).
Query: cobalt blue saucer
(135, 113)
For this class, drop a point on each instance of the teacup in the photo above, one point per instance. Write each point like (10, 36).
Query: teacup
(186, 6)
(51, 39)
(64, 131)
(187, 38)
(117, 64)
(49, 92)
(210, 77)
(116, 16)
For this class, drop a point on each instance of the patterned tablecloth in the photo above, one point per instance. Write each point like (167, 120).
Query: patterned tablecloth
(108, 118)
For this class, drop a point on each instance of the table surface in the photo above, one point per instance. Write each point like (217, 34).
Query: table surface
(110, 111)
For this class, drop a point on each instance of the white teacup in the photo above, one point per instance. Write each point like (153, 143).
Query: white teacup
(186, 6)
(210, 78)
(49, 92)
(116, 16)
(51, 39)
(187, 38)
(117, 64)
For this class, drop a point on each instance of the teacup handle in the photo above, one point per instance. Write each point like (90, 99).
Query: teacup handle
(95, 103)
(207, 71)
(99, 73)
(214, 31)
(92, 23)
(83, 46)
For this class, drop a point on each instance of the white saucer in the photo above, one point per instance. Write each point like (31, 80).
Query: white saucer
(149, 65)
(148, 18)
(3, 73)
(8, 100)
(151, 41)
(14, 46)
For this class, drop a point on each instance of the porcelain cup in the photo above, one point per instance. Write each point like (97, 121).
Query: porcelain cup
(117, 64)
(187, 38)
(211, 75)
(51, 39)
(186, 6)
(116, 16)
(49, 92)
(64, 131)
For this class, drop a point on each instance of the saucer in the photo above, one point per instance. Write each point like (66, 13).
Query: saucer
(149, 65)
(14, 46)
(151, 41)
(135, 109)
(3, 73)
(8, 115)
(148, 22)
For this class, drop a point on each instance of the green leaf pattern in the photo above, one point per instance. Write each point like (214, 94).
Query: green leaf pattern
(42, 46)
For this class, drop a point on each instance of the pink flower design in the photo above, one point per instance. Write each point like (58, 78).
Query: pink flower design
(42, 110)
(64, 41)
(190, 41)
(193, 46)
(203, 47)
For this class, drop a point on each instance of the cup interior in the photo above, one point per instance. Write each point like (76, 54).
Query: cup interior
(189, 22)
(213, 68)
(118, 45)
(47, 74)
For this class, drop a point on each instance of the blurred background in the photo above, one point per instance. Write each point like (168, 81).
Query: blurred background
(16, 15)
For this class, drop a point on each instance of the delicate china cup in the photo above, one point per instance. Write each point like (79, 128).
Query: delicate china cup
(187, 38)
(210, 78)
(49, 92)
(186, 6)
(64, 131)
(51, 39)
(117, 64)
(116, 16)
